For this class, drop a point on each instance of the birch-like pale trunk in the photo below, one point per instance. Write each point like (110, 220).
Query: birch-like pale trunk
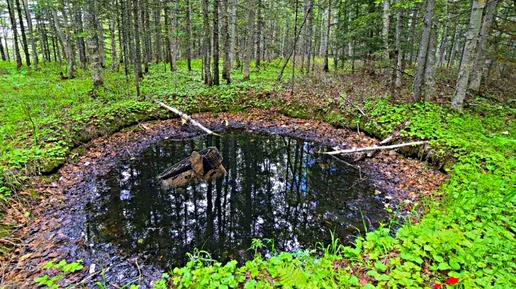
(428, 88)
(481, 61)
(468, 56)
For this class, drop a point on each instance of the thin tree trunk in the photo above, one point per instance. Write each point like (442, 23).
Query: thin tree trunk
(12, 17)
(78, 31)
(216, 4)
(114, 60)
(146, 35)
(468, 56)
(249, 47)
(443, 46)
(480, 59)
(385, 27)
(189, 35)
(453, 49)
(412, 40)
(93, 44)
(157, 31)
(172, 34)
(309, 35)
(35, 59)
(137, 50)
(23, 35)
(397, 52)
(2, 51)
(327, 39)
(206, 44)
(233, 20)
(422, 57)
(226, 39)
(258, 38)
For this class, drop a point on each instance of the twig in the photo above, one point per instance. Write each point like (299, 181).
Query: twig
(353, 150)
(187, 117)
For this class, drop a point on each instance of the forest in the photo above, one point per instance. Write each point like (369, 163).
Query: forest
(82, 90)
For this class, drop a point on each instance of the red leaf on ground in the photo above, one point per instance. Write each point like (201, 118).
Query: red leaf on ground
(452, 280)
(437, 285)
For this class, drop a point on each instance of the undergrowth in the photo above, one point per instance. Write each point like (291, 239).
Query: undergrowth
(467, 232)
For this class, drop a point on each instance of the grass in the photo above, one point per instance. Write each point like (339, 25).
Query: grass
(467, 231)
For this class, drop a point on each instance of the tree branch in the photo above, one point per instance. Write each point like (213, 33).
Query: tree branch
(354, 150)
(187, 117)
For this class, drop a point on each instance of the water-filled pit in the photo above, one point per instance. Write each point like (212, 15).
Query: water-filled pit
(276, 187)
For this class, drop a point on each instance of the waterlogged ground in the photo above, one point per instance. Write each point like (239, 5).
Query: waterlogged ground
(70, 223)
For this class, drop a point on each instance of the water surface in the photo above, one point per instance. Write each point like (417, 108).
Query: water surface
(277, 187)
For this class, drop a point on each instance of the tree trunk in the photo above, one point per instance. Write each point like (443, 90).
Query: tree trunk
(309, 36)
(137, 48)
(385, 27)
(35, 59)
(172, 34)
(233, 20)
(78, 31)
(157, 31)
(216, 4)
(23, 35)
(442, 46)
(468, 56)
(453, 49)
(2, 51)
(12, 17)
(114, 60)
(226, 39)
(146, 35)
(422, 57)
(93, 44)
(412, 37)
(480, 60)
(397, 52)
(207, 43)
(327, 39)
(249, 47)
(258, 38)
(428, 88)
(189, 35)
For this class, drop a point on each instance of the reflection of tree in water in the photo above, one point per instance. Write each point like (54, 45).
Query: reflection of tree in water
(276, 188)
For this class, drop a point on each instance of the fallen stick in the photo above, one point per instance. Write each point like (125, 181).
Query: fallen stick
(186, 116)
(354, 150)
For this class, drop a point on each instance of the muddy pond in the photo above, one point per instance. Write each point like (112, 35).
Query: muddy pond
(276, 187)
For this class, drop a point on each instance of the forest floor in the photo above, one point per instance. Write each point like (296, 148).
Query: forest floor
(456, 230)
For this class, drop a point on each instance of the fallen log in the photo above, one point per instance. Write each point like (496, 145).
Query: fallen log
(200, 166)
(186, 117)
(354, 150)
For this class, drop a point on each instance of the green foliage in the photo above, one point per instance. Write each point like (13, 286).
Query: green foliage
(63, 268)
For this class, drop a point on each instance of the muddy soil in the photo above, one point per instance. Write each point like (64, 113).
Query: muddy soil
(55, 229)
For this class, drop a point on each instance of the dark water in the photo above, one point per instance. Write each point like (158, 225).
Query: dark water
(276, 187)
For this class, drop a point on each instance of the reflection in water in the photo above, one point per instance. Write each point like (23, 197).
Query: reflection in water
(276, 187)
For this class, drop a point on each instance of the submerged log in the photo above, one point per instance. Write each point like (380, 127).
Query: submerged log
(200, 166)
